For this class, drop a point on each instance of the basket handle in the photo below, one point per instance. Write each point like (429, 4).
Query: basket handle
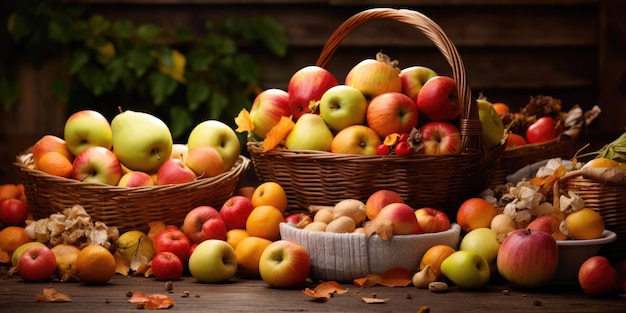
(469, 126)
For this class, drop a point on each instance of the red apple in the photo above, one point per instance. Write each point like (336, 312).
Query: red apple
(438, 99)
(440, 138)
(235, 211)
(205, 161)
(284, 264)
(413, 78)
(356, 139)
(546, 224)
(402, 218)
(204, 222)
(598, 278)
(528, 258)
(374, 77)
(543, 129)
(136, 179)
(173, 240)
(13, 212)
(37, 264)
(179, 151)
(267, 109)
(432, 220)
(308, 84)
(50, 143)
(392, 112)
(174, 171)
(97, 165)
(166, 266)
(378, 200)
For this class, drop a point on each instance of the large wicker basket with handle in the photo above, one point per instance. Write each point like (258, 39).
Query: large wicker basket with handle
(442, 181)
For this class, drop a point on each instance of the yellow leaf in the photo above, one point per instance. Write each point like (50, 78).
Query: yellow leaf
(244, 122)
(396, 277)
(325, 290)
(373, 300)
(278, 133)
(52, 295)
(177, 70)
(122, 264)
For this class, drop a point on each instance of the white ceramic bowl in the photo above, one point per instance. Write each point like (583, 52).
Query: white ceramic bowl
(572, 254)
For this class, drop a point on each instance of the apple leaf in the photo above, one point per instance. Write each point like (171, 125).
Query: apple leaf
(155, 228)
(151, 301)
(396, 277)
(381, 227)
(122, 264)
(325, 290)
(52, 295)
(244, 122)
(367, 281)
(278, 133)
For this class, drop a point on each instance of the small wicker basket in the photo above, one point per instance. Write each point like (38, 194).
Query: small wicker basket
(125, 208)
(444, 181)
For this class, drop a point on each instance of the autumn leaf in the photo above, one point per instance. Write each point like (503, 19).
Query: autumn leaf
(155, 228)
(52, 295)
(396, 277)
(370, 300)
(325, 290)
(381, 227)
(244, 122)
(122, 264)
(367, 281)
(278, 133)
(151, 301)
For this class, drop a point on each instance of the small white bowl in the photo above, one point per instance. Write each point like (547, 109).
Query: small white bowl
(572, 254)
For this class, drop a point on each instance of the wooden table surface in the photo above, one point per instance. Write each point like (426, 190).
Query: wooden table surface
(253, 295)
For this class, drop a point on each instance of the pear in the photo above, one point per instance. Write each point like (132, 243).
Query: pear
(141, 141)
(493, 128)
(136, 246)
(309, 133)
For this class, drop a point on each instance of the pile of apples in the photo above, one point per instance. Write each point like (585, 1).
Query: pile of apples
(379, 109)
(135, 149)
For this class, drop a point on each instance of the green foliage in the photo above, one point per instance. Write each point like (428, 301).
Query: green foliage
(183, 76)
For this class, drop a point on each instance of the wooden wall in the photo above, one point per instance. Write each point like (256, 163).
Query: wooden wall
(512, 49)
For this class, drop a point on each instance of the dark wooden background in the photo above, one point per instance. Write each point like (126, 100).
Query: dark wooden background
(574, 50)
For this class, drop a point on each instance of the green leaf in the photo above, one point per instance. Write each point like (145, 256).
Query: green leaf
(79, 58)
(164, 54)
(98, 24)
(19, 27)
(200, 60)
(148, 31)
(60, 89)
(161, 87)
(116, 69)
(58, 32)
(246, 69)
(181, 120)
(123, 29)
(95, 80)
(197, 92)
(184, 34)
(139, 60)
(273, 35)
(217, 103)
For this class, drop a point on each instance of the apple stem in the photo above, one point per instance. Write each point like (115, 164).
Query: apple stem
(119, 109)
(156, 152)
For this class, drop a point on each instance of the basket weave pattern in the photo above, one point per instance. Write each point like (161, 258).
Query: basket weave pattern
(125, 208)
(316, 177)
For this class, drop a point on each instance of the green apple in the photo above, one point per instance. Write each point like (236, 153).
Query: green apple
(15, 256)
(213, 261)
(87, 128)
(483, 241)
(356, 139)
(216, 134)
(141, 141)
(309, 133)
(493, 128)
(342, 106)
(466, 269)
(413, 78)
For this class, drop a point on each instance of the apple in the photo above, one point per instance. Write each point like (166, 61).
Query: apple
(432, 220)
(528, 258)
(378, 200)
(37, 264)
(235, 211)
(87, 128)
(267, 109)
(216, 134)
(141, 141)
(546, 223)
(179, 151)
(483, 241)
(136, 179)
(308, 84)
(374, 77)
(392, 112)
(466, 269)
(492, 126)
(213, 261)
(401, 217)
(310, 132)
(438, 100)
(50, 143)
(13, 212)
(15, 255)
(284, 264)
(204, 222)
(173, 240)
(598, 278)
(97, 165)
(543, 129)
(174, 171)
(342, 106)
(205, 161)
(166, 265)
(356, 139)
(440, 138)
(413, 78)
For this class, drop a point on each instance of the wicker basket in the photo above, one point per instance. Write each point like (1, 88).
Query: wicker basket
(315, 177)
(125, 208)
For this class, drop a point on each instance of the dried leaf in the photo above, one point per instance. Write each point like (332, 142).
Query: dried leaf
(122, 265)
(396, 277)
(244, 122)
(278, 133)
(52, 295)
(367, 281)
(151, 301)
(325, 290)
(370, 300)
(155, 228)
(381, 227)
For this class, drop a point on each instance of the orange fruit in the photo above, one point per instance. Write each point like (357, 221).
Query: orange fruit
(434, 256)
(23, 193)
(12, 237)
(515, 140)
(10, 191)
(602, 162)
(248, 253)
(235, 235)
(55, 163)
(94, 264)
(270, 193)
(475, 213)
(500, 108)
(584, 224)
(264, 222)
